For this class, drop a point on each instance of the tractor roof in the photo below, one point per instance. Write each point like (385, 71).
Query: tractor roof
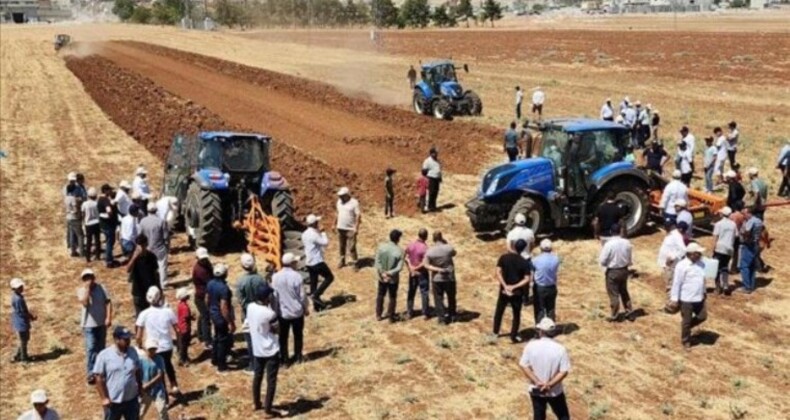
(210, 135)
(434, 63)
(572, 125)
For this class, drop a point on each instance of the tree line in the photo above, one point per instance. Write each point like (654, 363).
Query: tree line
(318, 13)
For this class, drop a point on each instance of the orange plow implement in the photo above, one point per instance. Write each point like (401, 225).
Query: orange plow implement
(264, 236)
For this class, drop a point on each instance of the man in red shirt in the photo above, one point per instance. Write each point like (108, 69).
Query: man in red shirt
(422, 190)
(184, 327)
(418, 275)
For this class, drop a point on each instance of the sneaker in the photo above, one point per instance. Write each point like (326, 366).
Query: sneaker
(516, 339)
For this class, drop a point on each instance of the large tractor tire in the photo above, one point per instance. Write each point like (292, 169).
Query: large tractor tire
(533, 210)
(283, 209)
(203, 214)
(476, 107)
(420, 104)
(634, 197)
(441, 109)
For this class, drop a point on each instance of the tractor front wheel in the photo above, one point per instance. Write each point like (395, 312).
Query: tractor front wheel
(534, 212)
(441, 109)
(633, 197)
(421, 106)
(475, 104)
(203, 216)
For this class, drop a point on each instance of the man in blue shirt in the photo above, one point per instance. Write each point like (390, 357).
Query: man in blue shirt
(20, 319)
(511, 142)
(152, 369)
(118, 378)
(750, 233)
(218, 298)
(546, 265)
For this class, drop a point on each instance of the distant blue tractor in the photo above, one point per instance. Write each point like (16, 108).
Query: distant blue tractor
(578, 162)
(439, 93)
(215, 174)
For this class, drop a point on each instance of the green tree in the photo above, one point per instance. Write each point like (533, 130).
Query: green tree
(416, 13)
(141, 14)
(228, 13)
(123, 9)
(464, 10)
(355, 13)
(492, 11)
(383, 13)
(441, 17)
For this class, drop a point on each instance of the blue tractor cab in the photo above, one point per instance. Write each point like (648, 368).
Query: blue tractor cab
(439, 93)
(577, 163)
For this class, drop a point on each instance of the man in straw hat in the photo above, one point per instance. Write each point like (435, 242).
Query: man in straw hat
(40, 410)
(546, 364)
(349, 217)
(688, 291)
(21, 317)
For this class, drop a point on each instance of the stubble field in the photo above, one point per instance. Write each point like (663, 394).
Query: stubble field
(109, 106)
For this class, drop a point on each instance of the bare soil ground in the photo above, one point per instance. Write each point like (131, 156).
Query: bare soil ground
(361, 368)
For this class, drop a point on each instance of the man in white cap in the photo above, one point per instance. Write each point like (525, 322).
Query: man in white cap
(688, 291)
(724, 233)
(538, 98)
(315, 242)
(246, 286)
(674, 190)
(21, 318)
(616, 258)
(629, 120)
(521, 231)
(546, 364)
(140, 186)
(122, 199)
(218, 300)
(546, 266)
(202, 273)
(158, 322)
(607, 113)
(637, 140)
(758, 193)
(40, 410)
(158, 234)
(90, 214)
(673, 249)
(348, 219)
(720, 142)
(626, 103)
(684, 216)
(735, 191)
(433, 169)
(96, 317)
(292, 300)
(750, 233)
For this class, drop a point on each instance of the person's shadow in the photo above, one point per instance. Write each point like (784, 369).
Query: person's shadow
(302, 406)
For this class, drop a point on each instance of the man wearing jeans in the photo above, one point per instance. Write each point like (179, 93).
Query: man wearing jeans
(292, 307)
(263, 325)
(546, 266)
(315, 242)
(218, 300)
(750, 233)
(348, 218)
(118, 378)
(688, 291)
(95, 319)
(616, 258)
(439, 262)
(546, 364)
(724, 232)
(388, 264)
(418, 275)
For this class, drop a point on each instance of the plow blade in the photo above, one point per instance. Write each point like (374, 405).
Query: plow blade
(264, 236)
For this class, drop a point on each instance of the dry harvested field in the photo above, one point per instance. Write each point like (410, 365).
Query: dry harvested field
(336, 107)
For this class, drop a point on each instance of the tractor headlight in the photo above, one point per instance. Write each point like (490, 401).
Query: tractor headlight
(492, 187)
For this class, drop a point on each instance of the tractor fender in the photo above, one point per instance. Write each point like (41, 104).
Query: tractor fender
(273, 181)
(212, 179)
(424, 90)
(554, 210)
(617, 174)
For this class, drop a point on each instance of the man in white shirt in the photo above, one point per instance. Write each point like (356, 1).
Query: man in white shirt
(732, 142)
(546, 364)
(616, 259)
(90, 214)
(315, 242)
(521, 231)
(434, 168)
(672, 250)
(156, 322)
(724, 233)
(348, 218)
(292, 307)
(607, 113)
(688, 291)
(709, 161)
(685, 162)
(129, 230)
(673, 191)
(140, 186)
(519, 100)
(688, 138)
(40, 410)
(684, 216)
(263, 326)
(626, 103)
(538, 98)
(122, 200)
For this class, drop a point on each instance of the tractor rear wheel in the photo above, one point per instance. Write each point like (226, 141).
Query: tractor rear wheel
(633, 197)
(283, 209)
(421, 105)
(476, 105)
(441, 109)
(203, 215)
(532, 209)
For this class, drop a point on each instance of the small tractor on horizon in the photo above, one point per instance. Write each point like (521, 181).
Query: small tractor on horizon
(224, 182)
(61, 40)
(439, 93)
(578, 161)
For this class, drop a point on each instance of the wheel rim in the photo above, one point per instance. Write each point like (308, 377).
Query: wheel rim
(417, 105)
(533, 219)
(437, 111)
(634, 206)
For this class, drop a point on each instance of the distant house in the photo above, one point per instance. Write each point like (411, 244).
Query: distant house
(19, 11)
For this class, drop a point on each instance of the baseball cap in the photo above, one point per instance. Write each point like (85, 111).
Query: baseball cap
(153, 294)
(545, 245)
(343, 191)
(753, 171)
(545, 324)
(680, 203)
(124, 184)
(264, 291)
(151, 207)
(676, 174)
(201, 253)
(92, 192)
(16, 283)
(151, 343)
(72, 176)
(694, 247)
(289, 258)
(638, 103)
(121, 332)
(87, 273)
(140, 171)
(247, 261)
(730, 174)
(38, 396)
(220, 270)
(182, 293)
(520, 219)
(725, 211)
(312, 219)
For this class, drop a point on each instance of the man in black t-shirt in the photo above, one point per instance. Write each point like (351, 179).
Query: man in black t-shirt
(513, 276)
(143, 272)
(108, 221)
(655, 157)
(610, 212)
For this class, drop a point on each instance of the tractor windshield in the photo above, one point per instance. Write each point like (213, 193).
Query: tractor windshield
(236, 154)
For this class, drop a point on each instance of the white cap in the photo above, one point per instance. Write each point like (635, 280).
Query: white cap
(619, 119)
(72, 176)
(220, 269)
(753, 171)
(638, 103)
(16, 283)
(694, 247)
(151, 343)
(182, 292)
(545, 245)
(153, 295)
(730, 174)
(92, 192)
(648, 106)
(140, 171)
(247, 261)
(680, 203)
(135, 195)
(312, 219)
(520, 219)
(626, 99)
(289, 258)
(545, 324)
(201, 253)
(87, 272)
(608, 99)
(676, 174)
(38, 396)
(343, 191)
(725, 211)
(124, 184)
(152, 207)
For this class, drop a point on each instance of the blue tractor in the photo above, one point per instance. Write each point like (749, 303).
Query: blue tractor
(439, 93)
(577, 162)
(216, 175)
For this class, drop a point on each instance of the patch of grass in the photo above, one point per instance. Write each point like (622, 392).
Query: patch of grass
(410, 399)
(595, 384)
(579, 58)
(598, 410)
(403, 359)
(469, 377)
(678, 368)
(739, 384)
(490, 339)
(447, 343)
(667, 409)
(704, 403)
(737, 412)
(767, 362)
(215, 403)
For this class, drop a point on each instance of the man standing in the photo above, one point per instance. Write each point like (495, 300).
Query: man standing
(732, 142)
(118, 378)
(95, 319)
(610, 212)
(315, 242)
(538, 98)
(511, 142)
(673, 191)
(546, 364)
(735, 191)
(129, 231)
(655, 157)
(672, 250)
(685, 161)
(629, 119)
(688, 291)
(750, 233)
(140, 186)
(292, 300)
(218, 300)
(512, 273)
(709, 161)
(684, 216)
(389, 263)
(122, 200)
(74, 221)
(156, 323)
(348, 218)
(412, 76)
(246, 287)
(638, 141)
(519, 100)
(155, 229)
(263, 325)
(720, 141)
(616, 258)
(90, 214)
(434, 168)
(607, 113)
(521, 231)
(724, 232)
(758, 193)
(40, 410)
(418, 275)
(202, 273)
(688, 138)
(439, 262)
(108, 222)
(143, 272)
(783, 165)
(21, 318)
(546, 266)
